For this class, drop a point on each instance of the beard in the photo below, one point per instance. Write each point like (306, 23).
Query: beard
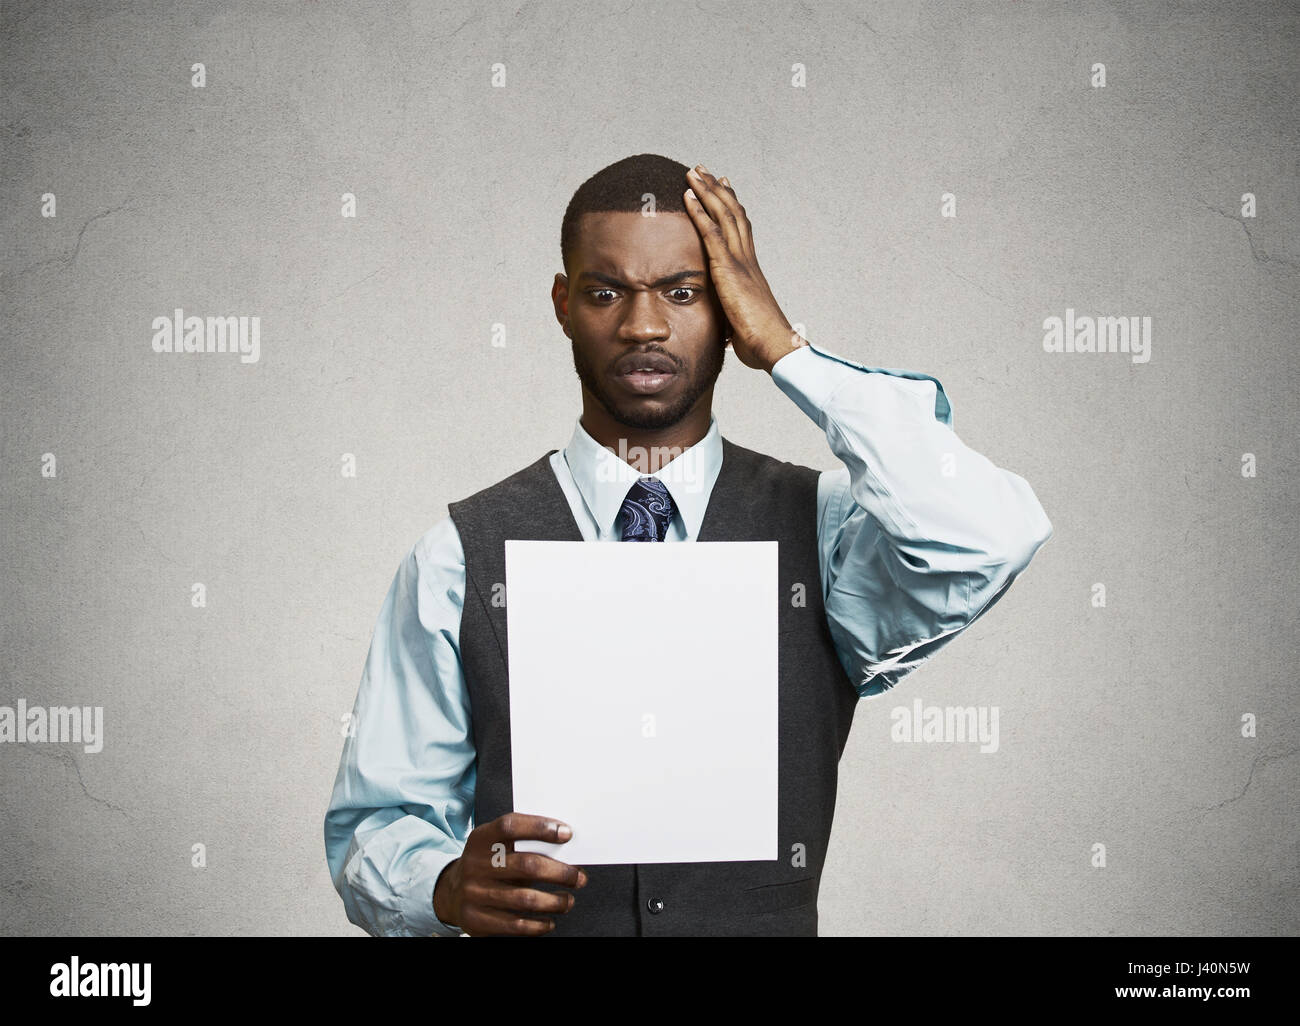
(632, 412)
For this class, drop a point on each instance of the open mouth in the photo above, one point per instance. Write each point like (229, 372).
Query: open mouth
(646, 382)
(645, 373)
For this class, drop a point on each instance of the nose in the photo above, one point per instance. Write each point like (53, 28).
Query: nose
(644, 320)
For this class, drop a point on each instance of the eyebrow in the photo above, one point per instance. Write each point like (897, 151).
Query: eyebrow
(671, 279)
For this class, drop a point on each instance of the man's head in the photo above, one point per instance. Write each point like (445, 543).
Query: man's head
(636, 294)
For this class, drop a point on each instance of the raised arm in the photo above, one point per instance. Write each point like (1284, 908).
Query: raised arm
(919, 533)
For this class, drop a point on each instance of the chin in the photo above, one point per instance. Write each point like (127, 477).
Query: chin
(648, 419)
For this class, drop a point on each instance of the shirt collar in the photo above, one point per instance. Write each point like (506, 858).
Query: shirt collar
(603, 478)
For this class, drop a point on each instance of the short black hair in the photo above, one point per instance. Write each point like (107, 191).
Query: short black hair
(620, 187)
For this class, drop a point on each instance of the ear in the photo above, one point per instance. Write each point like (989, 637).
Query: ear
(560, 299)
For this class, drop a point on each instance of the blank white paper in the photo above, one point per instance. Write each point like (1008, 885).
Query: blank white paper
(643, 698)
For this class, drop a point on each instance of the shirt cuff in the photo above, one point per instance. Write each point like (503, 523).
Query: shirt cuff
(810, 376)
(418, 915)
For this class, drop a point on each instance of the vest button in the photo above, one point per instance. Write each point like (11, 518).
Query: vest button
(655, 905)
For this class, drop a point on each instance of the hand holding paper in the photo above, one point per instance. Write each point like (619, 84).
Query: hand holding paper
(491, 888)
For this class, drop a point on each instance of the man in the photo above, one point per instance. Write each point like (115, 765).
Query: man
(910, 542)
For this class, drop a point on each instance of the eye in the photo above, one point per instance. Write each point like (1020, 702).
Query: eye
(683, 293)
(597, 293)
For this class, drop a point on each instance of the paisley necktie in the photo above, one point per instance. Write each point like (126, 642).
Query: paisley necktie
(646, 511)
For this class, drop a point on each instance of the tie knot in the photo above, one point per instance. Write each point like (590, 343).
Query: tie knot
(646, 511)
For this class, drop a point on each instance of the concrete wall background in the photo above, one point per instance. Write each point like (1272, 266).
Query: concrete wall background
(1119, 725)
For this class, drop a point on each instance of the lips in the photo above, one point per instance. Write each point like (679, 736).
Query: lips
(645, 373)
(652, 363)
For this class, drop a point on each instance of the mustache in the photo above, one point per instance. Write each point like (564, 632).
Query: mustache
(653, 359)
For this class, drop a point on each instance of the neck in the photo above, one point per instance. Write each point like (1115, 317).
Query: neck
(646, 449)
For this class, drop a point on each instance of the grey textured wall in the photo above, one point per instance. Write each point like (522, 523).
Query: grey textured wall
(1121, 725)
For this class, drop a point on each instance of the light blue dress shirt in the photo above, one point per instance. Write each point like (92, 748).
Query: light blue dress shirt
(919, 535)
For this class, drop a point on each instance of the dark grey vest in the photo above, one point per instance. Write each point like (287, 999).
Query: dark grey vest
(755, 498)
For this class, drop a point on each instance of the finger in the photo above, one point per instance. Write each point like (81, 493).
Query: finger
(536, 867)
(711, 196)
(527, 900)
(714, 241)
(724, 190)
(490, 922)
(519, 826)
(735, 213)
(742, 220)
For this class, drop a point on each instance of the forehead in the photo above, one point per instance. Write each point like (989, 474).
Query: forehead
(633, 247)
